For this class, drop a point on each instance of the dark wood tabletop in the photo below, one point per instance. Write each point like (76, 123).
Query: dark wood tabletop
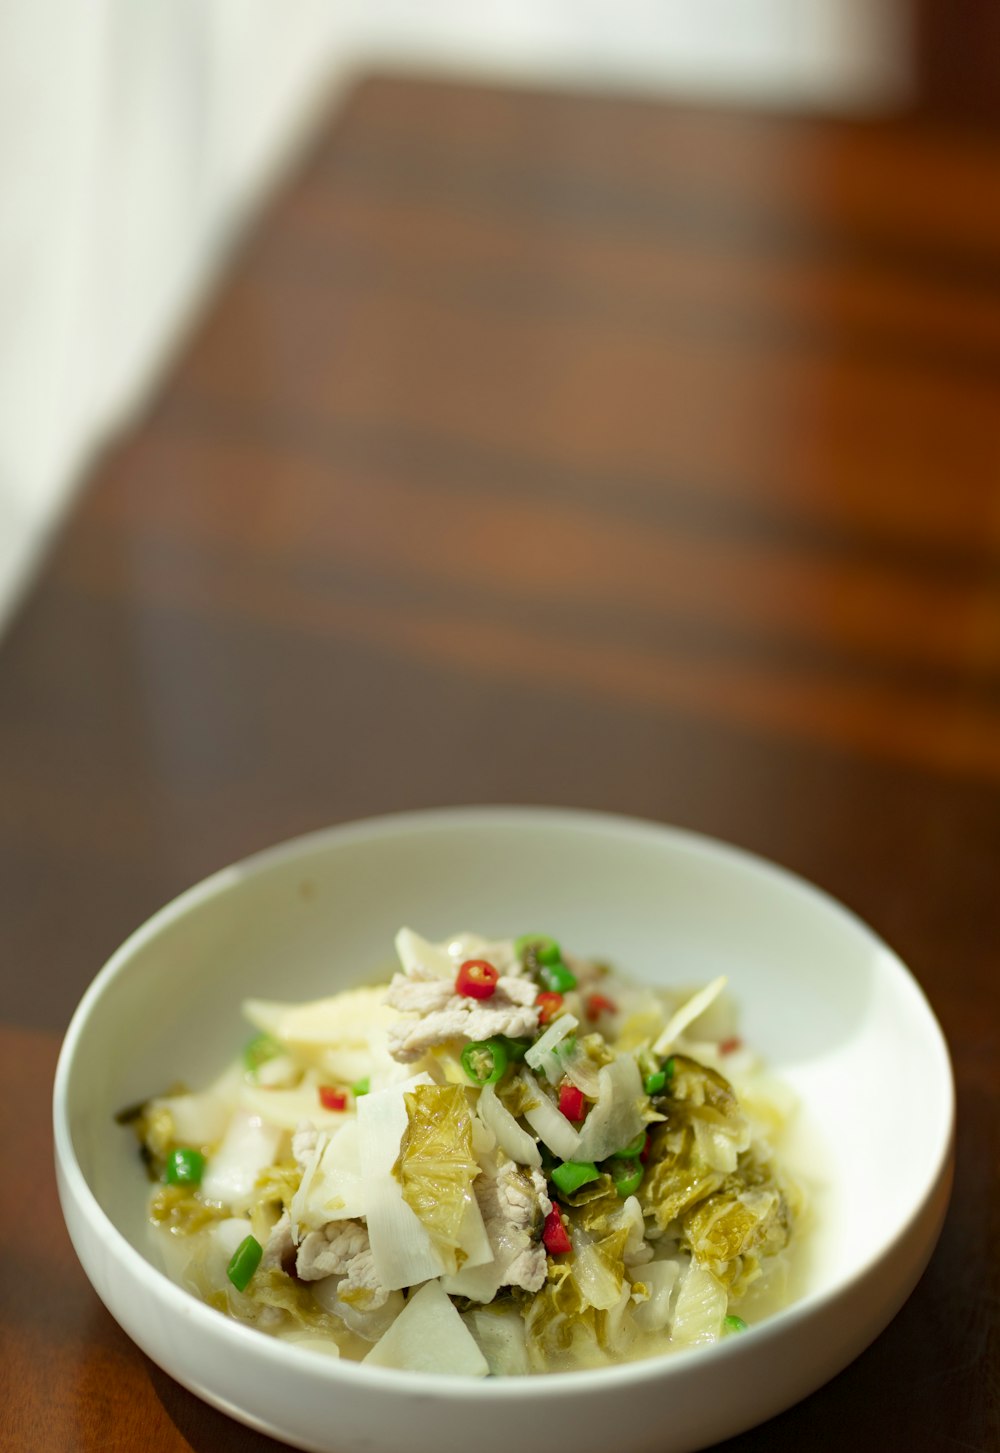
(540, 448)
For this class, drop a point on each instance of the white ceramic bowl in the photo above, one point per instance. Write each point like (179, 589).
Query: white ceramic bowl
(829, 1005)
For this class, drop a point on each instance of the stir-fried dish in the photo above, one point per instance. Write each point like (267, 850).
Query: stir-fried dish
(508, 1160)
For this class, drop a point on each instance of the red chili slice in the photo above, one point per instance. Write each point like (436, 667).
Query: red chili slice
(728, 1045)
(477, 979)
(548, 1003)
(571, 1101)
(332, 1098)
(598, 1004)
(554, 1236)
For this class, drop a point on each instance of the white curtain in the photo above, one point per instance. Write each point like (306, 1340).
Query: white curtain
(134, 135)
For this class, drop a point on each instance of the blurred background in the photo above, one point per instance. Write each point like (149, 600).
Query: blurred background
(162, 128)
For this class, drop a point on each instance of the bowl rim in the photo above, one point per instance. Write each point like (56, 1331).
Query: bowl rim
(172, 1297)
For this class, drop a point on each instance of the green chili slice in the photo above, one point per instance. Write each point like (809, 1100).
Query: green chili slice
(484, 1060)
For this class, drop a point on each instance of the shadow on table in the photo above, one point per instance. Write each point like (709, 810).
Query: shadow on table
(204, 1427)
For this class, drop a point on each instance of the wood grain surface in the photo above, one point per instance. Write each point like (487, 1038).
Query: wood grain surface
(540, 449)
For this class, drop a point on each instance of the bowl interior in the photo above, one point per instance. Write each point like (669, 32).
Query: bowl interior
(827, 1004)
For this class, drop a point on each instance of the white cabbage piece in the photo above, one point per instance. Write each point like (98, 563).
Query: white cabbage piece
(699, 1310)
(637, 1249)
(344, 1035)
(660, 1279)
(289, 1107)
(511, 1137)
(371, 1325)
(280, 1072)
(336, 1187)
(772, 1289)
(600, 1283)
(201, 1119)
(300, 1200)
(688, 1013)
(248, 1147)
(228, 1235)
(720, 1145)
(419, 957)
(436, 1169)
(582, 1070)
(499, 952)
(719, 1020)
(416, 953)
(620, 1331)
(499, 1332)
(429, 1336)
(484, 1142)
(544, 1054)
(478, 1283)
(549, 1123)
(402, 1249)
(473, 1239)
(642, 1013)
(619, 1113)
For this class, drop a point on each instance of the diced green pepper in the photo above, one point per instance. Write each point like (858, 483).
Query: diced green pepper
(572, 1174)
(545, 949)
(484, 1060)
(361, 1087)
(245, 1261)
(627, 1177)
(185, 1167)
(656, 1082)
(556, 977)
(733, 1323)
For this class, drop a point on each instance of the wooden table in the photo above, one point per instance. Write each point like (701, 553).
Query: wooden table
(540, 449)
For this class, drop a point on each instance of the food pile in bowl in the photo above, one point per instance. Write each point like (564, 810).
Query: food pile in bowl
(507, 1160)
